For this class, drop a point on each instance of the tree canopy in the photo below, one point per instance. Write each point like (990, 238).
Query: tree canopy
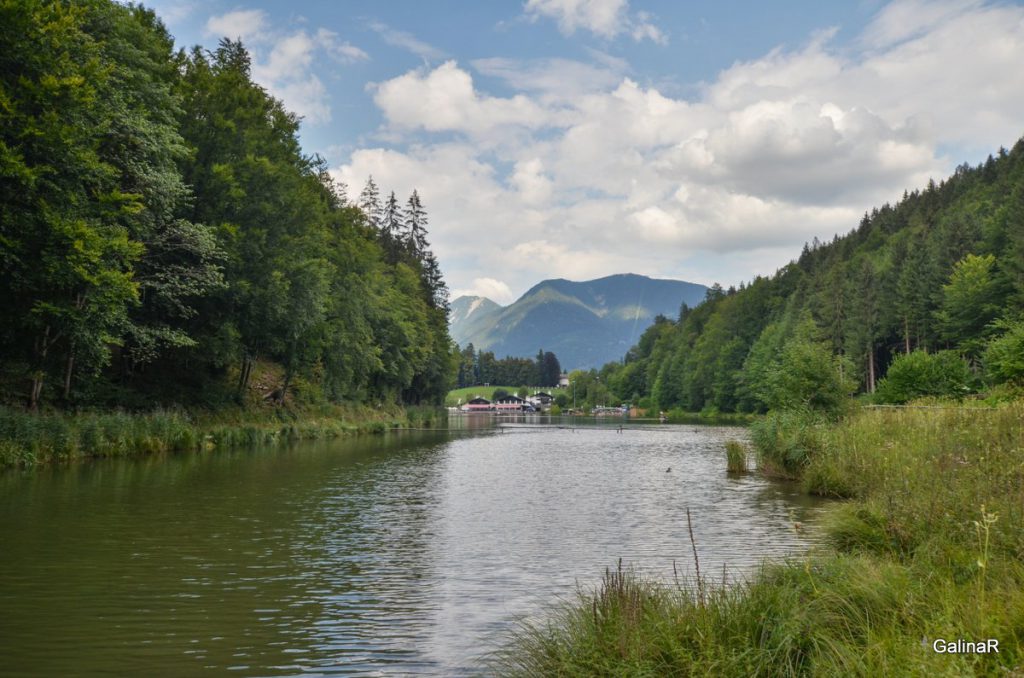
(162, 230)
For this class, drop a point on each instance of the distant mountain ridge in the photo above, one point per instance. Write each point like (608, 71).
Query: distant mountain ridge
(586, 324)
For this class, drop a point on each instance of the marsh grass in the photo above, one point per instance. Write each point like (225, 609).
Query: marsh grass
(28, 439)
(735, 456)
(929, 545)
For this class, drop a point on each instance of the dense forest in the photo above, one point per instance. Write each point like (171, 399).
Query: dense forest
(162, 232)
(476, 368)
(924, 298)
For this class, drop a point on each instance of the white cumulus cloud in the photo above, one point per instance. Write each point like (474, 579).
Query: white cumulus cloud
(604, 18)
(722, 184)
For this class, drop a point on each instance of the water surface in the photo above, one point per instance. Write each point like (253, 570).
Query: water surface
(407, 553)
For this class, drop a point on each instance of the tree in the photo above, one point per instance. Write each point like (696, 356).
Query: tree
(415, 236)
(970, 301)
(808, 376)
(391, 226)
(369, 204)
(552, 370)
(1004, 354)
(68, 258)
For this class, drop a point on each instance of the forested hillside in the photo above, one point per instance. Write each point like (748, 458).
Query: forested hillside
(162, 232)
(587, 323)
(932, 287)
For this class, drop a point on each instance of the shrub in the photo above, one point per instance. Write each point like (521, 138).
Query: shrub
(944, 374)
(1004, 356)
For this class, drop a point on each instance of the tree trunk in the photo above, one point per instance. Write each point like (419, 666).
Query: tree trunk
(906, 334)
(284, 387)
(37, 389)
(245, 373)
(70, 367)
(42, 347)
(871, 370)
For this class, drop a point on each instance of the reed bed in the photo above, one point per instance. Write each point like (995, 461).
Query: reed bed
(29, 439)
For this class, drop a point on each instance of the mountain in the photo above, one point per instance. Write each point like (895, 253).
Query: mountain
(470, 315)
(586, 324)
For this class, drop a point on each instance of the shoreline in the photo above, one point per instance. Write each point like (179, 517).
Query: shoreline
(926, 543)
(36, 440)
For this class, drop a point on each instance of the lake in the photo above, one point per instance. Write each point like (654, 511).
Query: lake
(407, 553)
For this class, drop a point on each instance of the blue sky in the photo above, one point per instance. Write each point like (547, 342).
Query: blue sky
(704, 141)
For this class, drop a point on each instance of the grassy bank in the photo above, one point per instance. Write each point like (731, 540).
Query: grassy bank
(929, 545)
(30, 439)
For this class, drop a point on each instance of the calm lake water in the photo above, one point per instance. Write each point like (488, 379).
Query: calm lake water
(405, 553)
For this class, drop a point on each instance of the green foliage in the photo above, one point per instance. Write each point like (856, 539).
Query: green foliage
(808, 376)
(918, 374)
(476, 369)
(161, 231)
(1004, 355)
(970, 301)
(929, 273)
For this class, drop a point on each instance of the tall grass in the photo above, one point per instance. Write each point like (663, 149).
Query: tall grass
(28, 439)
(735, 457)
(787, 440)
(929, 545)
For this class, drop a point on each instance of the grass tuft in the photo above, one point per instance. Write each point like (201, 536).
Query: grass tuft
(736, 457)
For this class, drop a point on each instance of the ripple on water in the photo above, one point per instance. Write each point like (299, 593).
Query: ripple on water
(407, 554)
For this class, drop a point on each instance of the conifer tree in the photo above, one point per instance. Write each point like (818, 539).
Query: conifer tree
(391, 225)
(369, 203)
(416, 226)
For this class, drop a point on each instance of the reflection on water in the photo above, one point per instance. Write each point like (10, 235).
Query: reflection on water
(405, 554)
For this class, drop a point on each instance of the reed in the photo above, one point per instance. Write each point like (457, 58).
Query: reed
(736, 456)
(31, 439)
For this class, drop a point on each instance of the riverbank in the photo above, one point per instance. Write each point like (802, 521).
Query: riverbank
(927, 547)
(28, 439)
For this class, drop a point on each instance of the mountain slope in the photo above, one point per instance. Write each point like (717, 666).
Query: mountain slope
(586, 324)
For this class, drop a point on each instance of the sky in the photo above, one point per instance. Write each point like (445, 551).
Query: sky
(701, 141)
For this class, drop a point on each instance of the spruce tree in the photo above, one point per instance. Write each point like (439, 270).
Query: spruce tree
(369, 203)
(416, 226)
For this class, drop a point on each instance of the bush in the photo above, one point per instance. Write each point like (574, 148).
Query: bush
(1004, 356)
(917, 374)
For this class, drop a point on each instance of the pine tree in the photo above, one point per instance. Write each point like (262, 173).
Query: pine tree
(369, 203)
(435, 284)
(416, 226)
(391, 228)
